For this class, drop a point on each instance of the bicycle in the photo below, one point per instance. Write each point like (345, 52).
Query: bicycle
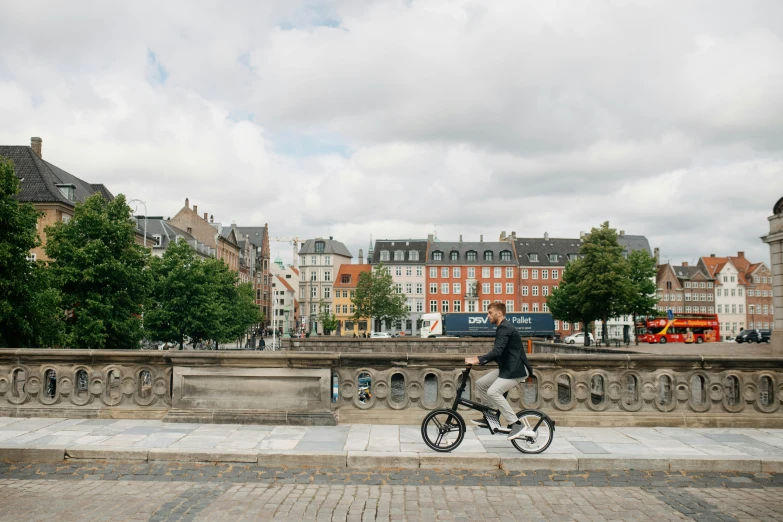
(444, 429)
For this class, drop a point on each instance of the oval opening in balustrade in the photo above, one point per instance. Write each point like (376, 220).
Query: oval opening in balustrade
(631, 389)
(335, 386)
(530, 390)
(113, 386)
(17, 383)
(766, 391)
(145, 384)
(597, 390)
(732, 390)
(82, 383)
(50, 382)
(364, 387)
(564, 389)
(430, 389)
(466, 392)
(398, 388)
(664, 390)
(698, 390)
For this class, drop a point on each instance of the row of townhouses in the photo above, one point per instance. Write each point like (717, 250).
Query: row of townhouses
(54, 192)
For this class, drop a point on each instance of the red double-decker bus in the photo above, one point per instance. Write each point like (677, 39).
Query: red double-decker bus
(683, 328)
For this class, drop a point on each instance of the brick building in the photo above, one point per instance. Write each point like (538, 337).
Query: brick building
(214, 235)
(255, 255)
(468, 276)
(730, 286)
(698, 290)
(758, 293)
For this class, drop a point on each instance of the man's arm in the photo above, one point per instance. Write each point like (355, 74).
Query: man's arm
(501, 341)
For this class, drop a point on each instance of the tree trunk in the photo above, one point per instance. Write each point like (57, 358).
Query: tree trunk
(604, 329)
(633, 331)
(585, 329)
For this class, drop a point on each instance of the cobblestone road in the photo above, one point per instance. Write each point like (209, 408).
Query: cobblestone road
(173, 492)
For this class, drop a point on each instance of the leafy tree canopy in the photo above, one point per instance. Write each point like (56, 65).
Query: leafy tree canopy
(377, 297)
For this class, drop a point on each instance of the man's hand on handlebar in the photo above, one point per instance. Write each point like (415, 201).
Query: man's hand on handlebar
(472, 360)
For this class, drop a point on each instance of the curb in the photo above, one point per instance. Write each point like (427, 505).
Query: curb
(364, 460)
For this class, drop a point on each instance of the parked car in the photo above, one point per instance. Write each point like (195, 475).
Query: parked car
(578, 338)
(754, 336)
(380, 335)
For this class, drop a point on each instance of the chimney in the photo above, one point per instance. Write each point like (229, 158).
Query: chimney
(657, 255)
(195, 209)
(361, 256)
(503, 235)
(35, 144)
(513, 234)
(212, 219)
(187, 203)
(581, 234)
(546, 236)
(460, 238)
(741, 255)
(712, 255)
(622, 233)
(481, 238)
(684, 263)
(429, 238)
(206, 217)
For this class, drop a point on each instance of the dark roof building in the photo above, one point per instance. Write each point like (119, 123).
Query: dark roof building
(399, 252)
(324, 246)
(468, 253)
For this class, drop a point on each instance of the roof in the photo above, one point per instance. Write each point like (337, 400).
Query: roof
(256, 235)
(353, 271)
(447, 247)
(689, 272)
(330, 247)
(157, 226)
(295, 270)
(631, 243)
(714, 264)
(40, 178)
(229, 235)
(544, 247)
(285, 283)
(405, 245)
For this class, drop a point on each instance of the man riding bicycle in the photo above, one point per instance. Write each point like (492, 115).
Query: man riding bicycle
(513, 369)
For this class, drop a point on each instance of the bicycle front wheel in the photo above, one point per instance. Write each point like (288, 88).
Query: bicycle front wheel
(544, 434)
(443, 430)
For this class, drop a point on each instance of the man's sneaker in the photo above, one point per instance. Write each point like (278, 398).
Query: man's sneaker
(480, 423)
(518, 431)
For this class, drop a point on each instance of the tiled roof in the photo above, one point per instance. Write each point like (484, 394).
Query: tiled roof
(330, 247)
(353, 271)
(40, 178)
(285, 283)
(295, 270)
(714, 264)
(406, 245)
(689, 272)
(462, 248)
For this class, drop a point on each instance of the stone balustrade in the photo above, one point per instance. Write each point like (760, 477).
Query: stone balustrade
(327, 387)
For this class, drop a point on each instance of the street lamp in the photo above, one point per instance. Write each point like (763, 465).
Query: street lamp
(287, 333)
(145, 218)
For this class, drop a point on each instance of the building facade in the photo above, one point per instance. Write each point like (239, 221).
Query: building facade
(730, 288)
(214, 235)
(258, 255)
(406, 261)
(285, 304)
(698, 290)
(319, 261)
(758, 292)
(344, 292)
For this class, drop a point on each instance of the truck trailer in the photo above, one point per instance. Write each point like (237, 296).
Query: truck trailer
(468, 324)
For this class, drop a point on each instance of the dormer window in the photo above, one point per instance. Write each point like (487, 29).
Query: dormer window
(413, 255)
(553, 258)
(471, 255)
(505, 255)
(454, 255)
(572, 257)
(157, 239)
(345, 279)
(437, 255)
(385, 255)
(320, 246)
(399, 255)
(488, 255)
(533, 258)
(67, 190)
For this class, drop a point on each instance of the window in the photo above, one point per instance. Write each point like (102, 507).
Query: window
(534, 274)
(497, 272)
(553, 258)
(733, 308)
(554, 274)
(444, 306)
(398, 288)
(457, 306)
(498, 287)
(488, 255)
(557, 324)
(454, 255)
(399, 255)
(544, 308)
(419, 271)
(545, 274)
(535, 307)
(709, 285)
(525, 307)
(524, 273)
(398, 270)
(327, 275)
(533, 258)
(327, 260)
(457, 289)
(302, 260)
(702, 297)
(725, 279)
(433, 272)
(419, 305)
(688, 297)
(484, 306)
(444, 271)
(565, 326)
(433, 288)
(419, 288)
(710, 309)
(687, 284)
(719, 292)
(679, 308)
(301, 293)
(30, 256)
(544, 290)
(733, 292)
(353, 294)
(471, 272)
(485, 271)
(413, 255)
(720, 309)
(732, 279)
(471, 306)
(509, 306)
(571, 257)
(433, 306)
(345, 279)
(509, 288)
(702, 285)
(408, 288)
(687, 309)
(741, 309)
(471, 255)
(535, 290)
(408, 271)
(505, 255)
(314, 275)
(509, 272)
(524, 290)
(485, 288)
(456, 272)
(709, 297)
(327, 292)
(739, 292)
(444, 288)
(437, 255)
(385, 255)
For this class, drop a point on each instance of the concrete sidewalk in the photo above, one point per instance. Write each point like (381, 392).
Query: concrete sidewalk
(361, 446)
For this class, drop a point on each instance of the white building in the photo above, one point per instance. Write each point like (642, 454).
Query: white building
(285, 282)
(730, 287)
(319, 262)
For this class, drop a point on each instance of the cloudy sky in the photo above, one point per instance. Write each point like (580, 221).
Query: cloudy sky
(394, 119)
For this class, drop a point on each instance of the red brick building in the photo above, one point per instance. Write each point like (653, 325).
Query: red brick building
(758, 297)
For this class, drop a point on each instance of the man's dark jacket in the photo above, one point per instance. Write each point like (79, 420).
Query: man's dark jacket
(509, 353)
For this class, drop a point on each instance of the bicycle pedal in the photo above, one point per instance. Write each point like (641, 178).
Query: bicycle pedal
(493, 422)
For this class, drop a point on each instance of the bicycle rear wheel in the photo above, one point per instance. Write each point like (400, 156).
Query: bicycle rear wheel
(545, 432)
(443, 430)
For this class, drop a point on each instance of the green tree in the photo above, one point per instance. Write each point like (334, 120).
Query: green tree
(328, 319)
(100, 271)
(642, 272)
(194, 300)
(28, 300)
(377, 297)
(601, 282)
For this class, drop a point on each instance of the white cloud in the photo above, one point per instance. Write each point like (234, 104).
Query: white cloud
(394, 119)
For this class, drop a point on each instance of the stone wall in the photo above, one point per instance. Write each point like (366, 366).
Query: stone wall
(377, 388)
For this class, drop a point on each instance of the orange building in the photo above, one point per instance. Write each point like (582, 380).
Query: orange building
(344, 291)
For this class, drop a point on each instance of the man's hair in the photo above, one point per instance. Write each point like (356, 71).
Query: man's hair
(497, 305)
